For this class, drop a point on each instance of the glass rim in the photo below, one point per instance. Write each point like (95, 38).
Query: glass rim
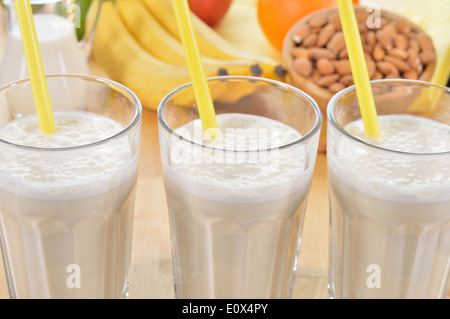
(252, 79)
(91, 78)
(332, 120)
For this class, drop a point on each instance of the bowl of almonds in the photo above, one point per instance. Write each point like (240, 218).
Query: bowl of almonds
(316, 56)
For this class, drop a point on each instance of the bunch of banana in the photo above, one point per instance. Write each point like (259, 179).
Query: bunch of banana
(210, 43)
(136, 50)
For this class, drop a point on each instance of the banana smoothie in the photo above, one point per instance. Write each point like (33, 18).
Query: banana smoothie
(389, 208)
(237, 216)
(66, 206)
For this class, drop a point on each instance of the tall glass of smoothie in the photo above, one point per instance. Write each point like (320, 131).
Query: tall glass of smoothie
(236, 203)
(67, 198)
(390, 196)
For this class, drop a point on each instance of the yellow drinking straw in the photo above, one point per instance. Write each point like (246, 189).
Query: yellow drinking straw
(359, 69)
(35, 66)
(199, 83)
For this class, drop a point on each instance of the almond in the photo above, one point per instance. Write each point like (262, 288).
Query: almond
(362, 26)
(325, 66)
(392, 76)
(361, 15)
(347, 80)
(316, 30)
(386, 68)
(342, 66)
(303, 66)
(325, 34)
(336, 87)
(414, 45)
(427, 57)
(413, 58)
(300, 52)
(384, 40)
(367, 48)
(310, 40)
(371, 38)
(411, 74)
(425, 42)
(404, 27)
(328, 79)
(371, 68)
(398, 53)
(401, 42)
(319, 53)
(301, 33)
(317, 21)
(368, 56)
(391, 30)
(377, 76)
(383, 22)
(343, 54)
(335, 20)
(378, 53)
(315, 76)
(337, 42)
(401, 65)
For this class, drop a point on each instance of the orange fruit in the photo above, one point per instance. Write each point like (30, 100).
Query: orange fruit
(276, 17)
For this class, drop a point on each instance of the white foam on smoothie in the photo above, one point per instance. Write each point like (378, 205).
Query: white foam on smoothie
(245, 175)
(63, 174)
(419, 178)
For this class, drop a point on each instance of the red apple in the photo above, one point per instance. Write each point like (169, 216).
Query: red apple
(210, 11)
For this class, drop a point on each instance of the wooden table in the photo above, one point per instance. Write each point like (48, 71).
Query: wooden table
(151, 266)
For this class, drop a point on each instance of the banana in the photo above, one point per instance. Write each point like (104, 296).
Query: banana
(125, 61)
(160, 43)
(211, 44)
(149, 32)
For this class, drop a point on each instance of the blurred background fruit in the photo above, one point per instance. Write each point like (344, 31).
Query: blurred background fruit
(210, 11)
(137, 44)
(276, 17)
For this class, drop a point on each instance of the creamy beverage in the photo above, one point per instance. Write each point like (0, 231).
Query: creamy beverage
(58, 45)
(236, 216)
(390, 213)
(66, 211)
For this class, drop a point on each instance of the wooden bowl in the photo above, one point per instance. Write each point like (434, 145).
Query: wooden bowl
(320, 94)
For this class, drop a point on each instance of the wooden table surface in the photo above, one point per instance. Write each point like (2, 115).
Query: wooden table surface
(151, 266)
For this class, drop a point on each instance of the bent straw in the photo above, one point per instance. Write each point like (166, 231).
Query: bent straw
(359, 68)
(199, 83)
(35, 66)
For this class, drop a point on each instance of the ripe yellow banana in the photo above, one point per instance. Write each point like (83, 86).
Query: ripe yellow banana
(125, 61)
(149, 32)
(161, 44)
(211, 44)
